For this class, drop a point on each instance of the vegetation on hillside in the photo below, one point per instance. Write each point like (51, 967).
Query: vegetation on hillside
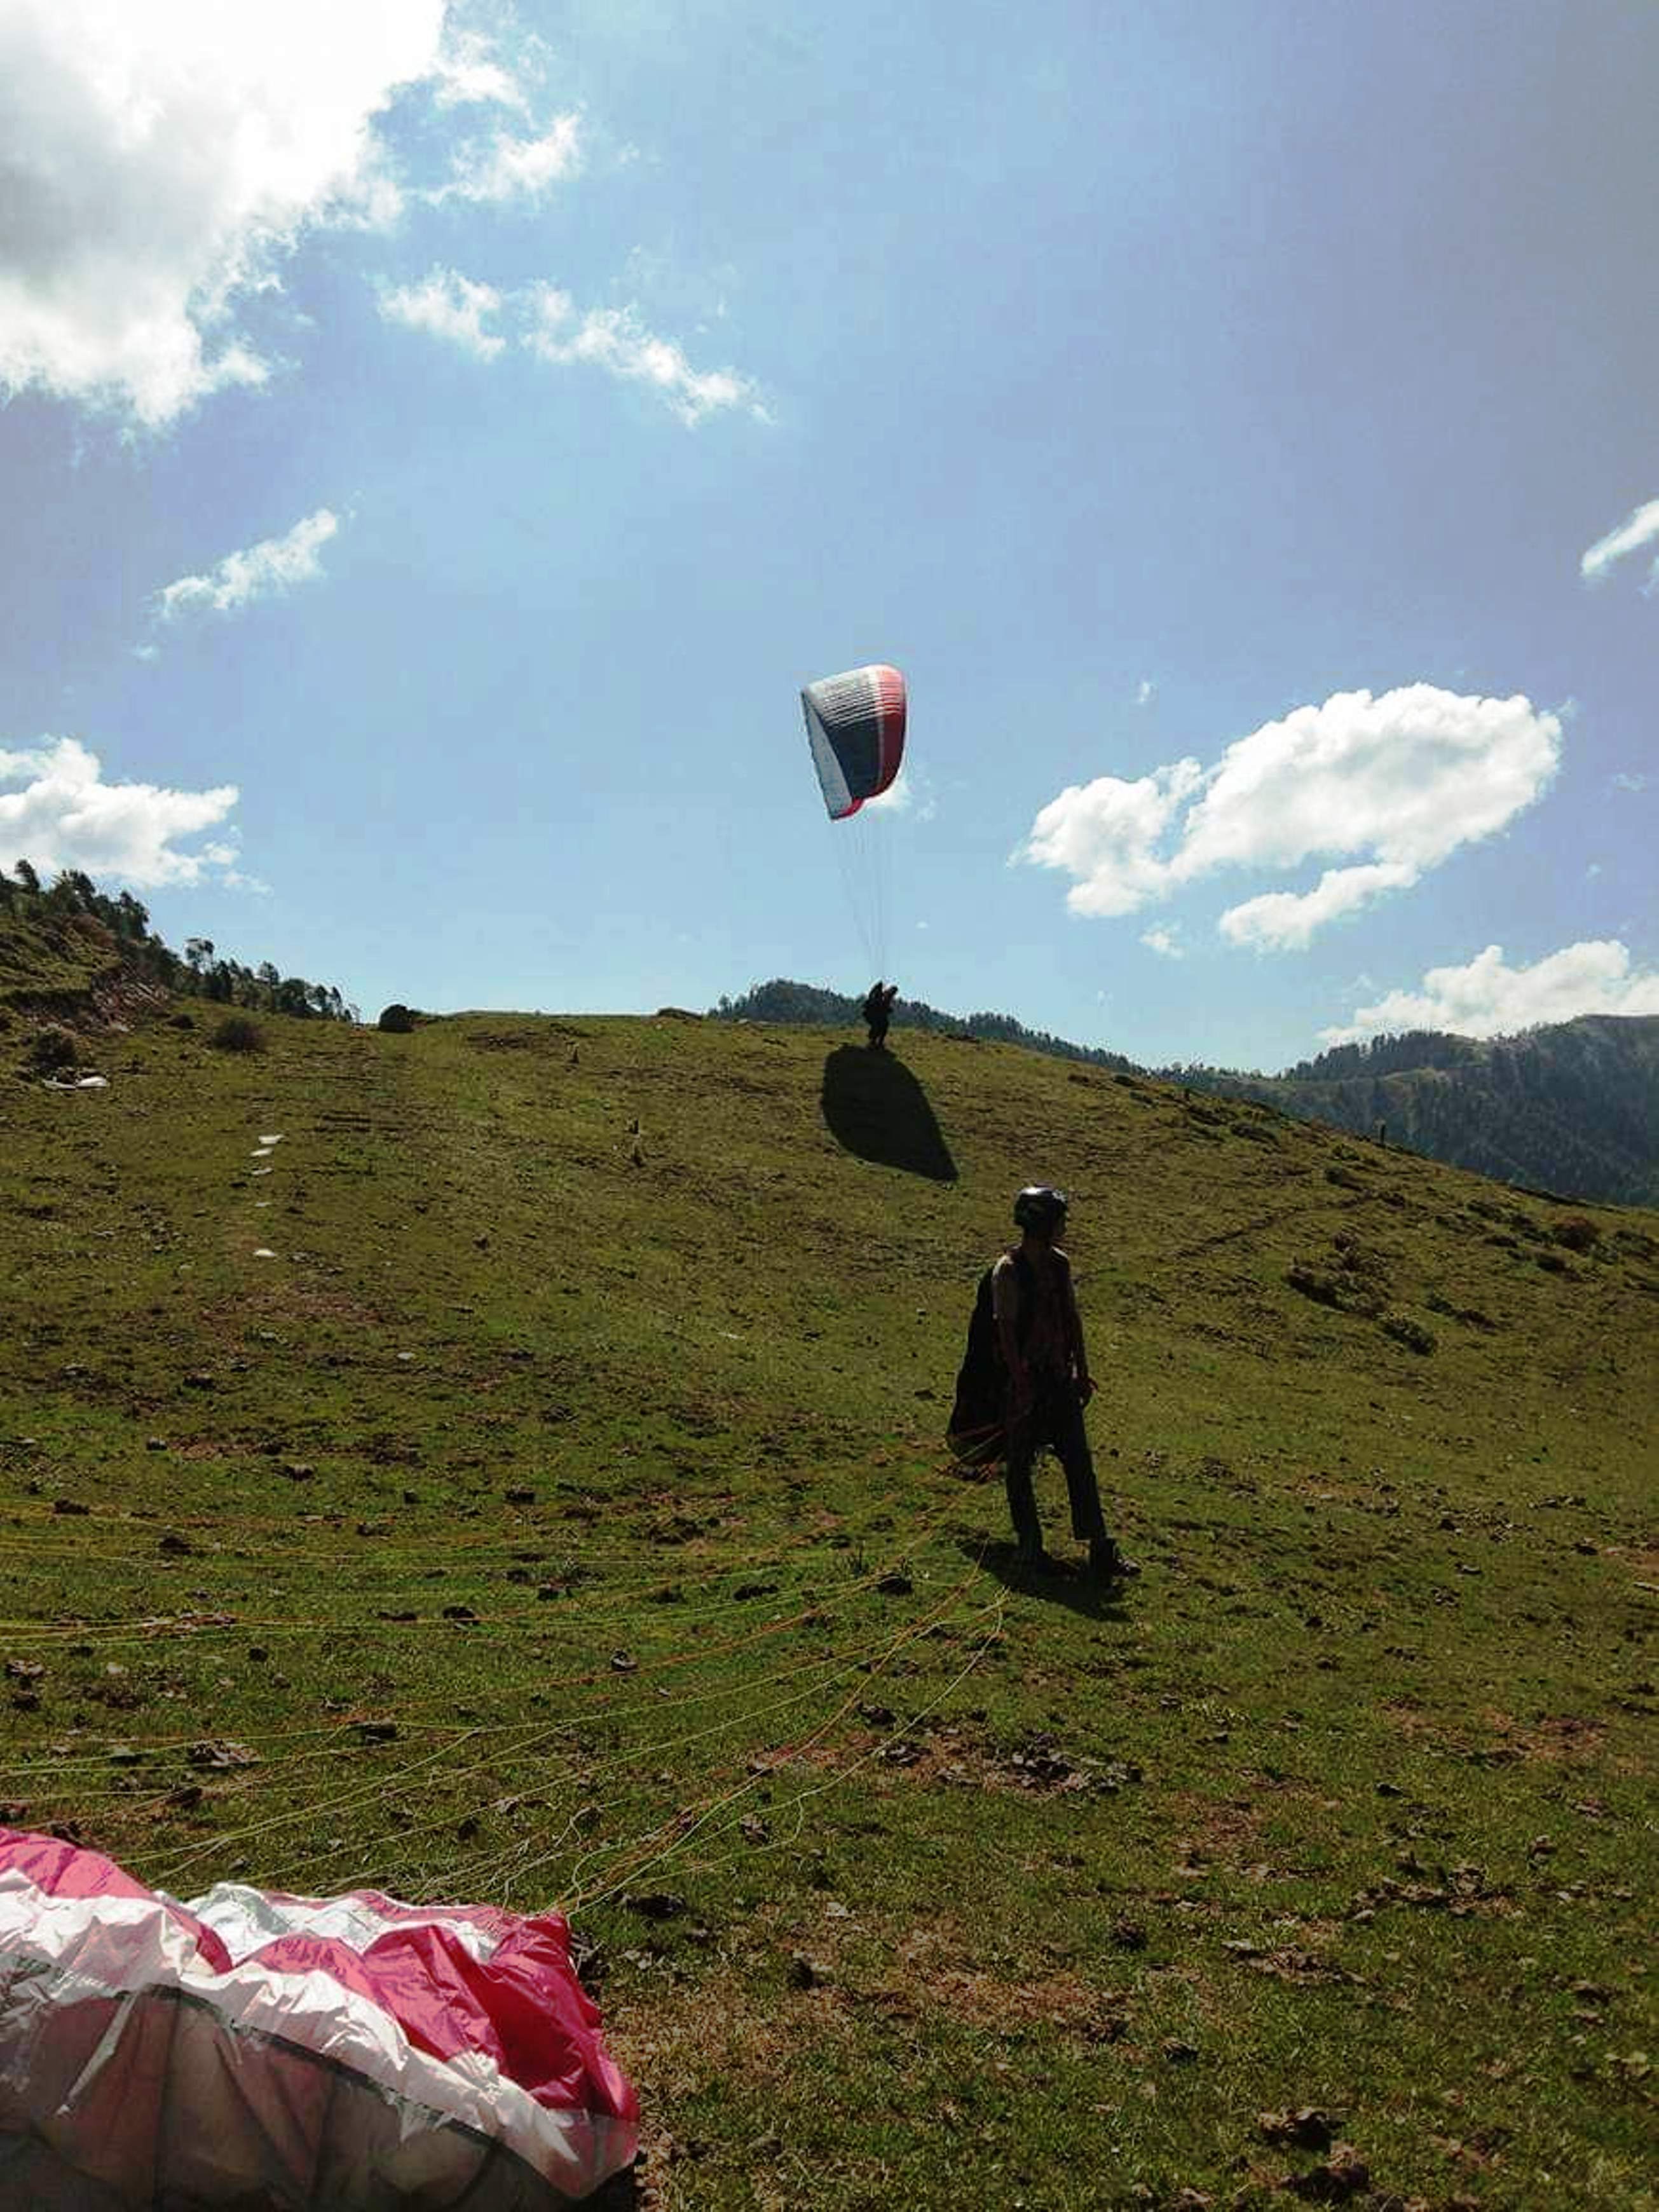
(503, 1461)
(782, 1001)
(1572, 1108)
(68, 949)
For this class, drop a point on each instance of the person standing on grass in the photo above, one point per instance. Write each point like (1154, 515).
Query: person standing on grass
(1040, 1335)
(878, 1011)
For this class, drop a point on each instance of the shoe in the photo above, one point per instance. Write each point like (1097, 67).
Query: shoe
(1107, 1564)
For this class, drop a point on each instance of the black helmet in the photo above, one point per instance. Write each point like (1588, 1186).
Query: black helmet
(1040, 1207)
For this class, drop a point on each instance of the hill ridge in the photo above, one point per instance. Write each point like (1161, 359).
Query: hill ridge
(1570, 1107)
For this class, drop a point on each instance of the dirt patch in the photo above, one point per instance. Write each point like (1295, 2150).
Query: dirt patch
(1407, 1715)
(953, 1758)
(1559, 1740)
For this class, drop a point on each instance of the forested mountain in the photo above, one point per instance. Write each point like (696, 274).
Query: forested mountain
(1572, 1108)
(69, 951)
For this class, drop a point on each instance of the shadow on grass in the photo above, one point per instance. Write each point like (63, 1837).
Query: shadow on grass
(875, 1107)
(1061, 1581)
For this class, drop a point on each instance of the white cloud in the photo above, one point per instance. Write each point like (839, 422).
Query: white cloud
(1635, 531)
(1145, 690)
(158, 161)
(617, 341)
(1285, 921)
(448, 305)
(1489, 998)
(1393, 785)
(506, 168)
(545, 321)
(1628, 780)
(262, 572)
(898, 798)
(1165, 941)
(66, 816)
(1106, 834)
(909, 792)
(468, 74)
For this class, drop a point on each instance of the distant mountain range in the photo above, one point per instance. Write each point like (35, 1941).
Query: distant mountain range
(1572, 1108)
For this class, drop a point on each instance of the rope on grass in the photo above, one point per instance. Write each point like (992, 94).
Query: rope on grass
(385, 1784)
(669, 1836)
(581, 1901)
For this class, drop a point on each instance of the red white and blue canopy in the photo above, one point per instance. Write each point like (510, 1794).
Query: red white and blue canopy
(855, 727)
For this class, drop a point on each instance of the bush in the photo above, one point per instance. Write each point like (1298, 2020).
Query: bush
(1412, 1334)
(397, 1019)
(238, 1033)
(1579, 1233)
(53, 1049)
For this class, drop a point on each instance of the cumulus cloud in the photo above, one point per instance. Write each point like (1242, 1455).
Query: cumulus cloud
(1165, 941)
(1391, 786)
(158, 162)
(447, 306)
(1637, 530)
(1107, 833)
(262, 572)
(1488, 998)
(615, 339)
(504, 168)
(1279, 920)
(469, 75)
(66, 816)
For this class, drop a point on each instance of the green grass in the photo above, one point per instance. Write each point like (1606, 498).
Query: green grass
(518, 1531)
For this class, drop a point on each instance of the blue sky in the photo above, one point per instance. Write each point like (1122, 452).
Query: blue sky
(442, 439)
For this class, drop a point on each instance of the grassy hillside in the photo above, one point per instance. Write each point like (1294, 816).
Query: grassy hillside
(504, 1461)
(50, 962)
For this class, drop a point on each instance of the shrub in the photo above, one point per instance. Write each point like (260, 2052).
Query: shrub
(1412, 1334)
(1579, 1233)
(238, 1033)
(52, 1049)
(397, 1019)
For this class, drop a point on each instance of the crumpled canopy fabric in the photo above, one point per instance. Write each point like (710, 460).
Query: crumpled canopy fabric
(347, 2054)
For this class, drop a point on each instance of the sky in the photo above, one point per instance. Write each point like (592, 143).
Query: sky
(441, 437)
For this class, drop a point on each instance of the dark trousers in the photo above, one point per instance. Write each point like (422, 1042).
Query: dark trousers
(1054, 1418)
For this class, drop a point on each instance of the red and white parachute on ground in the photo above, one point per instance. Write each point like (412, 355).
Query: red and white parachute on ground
(342, 2053)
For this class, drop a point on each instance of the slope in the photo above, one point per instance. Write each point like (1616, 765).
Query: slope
(503, 1461)
(1573, 1106)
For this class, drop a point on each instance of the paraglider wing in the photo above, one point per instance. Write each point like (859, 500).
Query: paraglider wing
(856, 725)
(344, 2054)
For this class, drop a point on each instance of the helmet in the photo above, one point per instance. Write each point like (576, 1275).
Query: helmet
(1040, 1207)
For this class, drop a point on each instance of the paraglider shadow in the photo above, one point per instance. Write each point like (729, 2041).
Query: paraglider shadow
(874, 1107)
(1061, 1582)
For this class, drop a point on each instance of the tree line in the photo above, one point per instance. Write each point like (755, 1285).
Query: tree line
(72, 903)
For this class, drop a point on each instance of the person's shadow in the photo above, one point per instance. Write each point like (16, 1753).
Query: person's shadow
(874, 1107)
(1062, 1581)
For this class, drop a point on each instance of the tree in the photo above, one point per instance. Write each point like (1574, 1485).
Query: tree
(27, 877)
